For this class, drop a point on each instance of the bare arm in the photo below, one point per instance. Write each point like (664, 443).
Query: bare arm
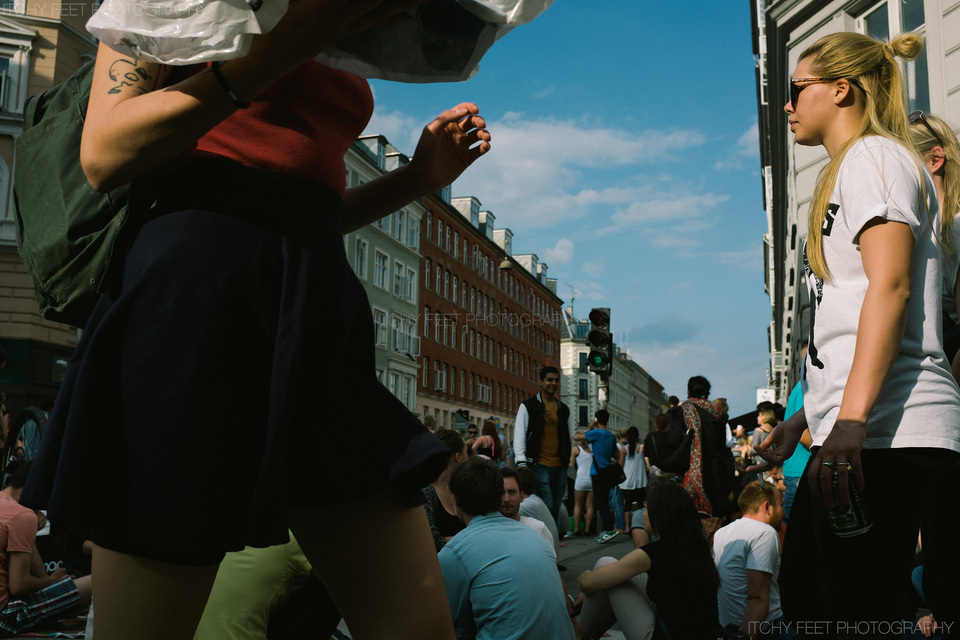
(447, 146)
(758, 601)
(886, 250)
(21, 579)
(133, 127)
(630, 565)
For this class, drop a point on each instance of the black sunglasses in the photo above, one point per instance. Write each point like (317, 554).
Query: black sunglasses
(917, 116)
(796, 87)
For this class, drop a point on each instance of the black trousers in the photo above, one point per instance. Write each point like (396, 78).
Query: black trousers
(833, 587)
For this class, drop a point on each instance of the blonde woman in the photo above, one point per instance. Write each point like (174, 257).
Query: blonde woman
(879, 397)
(938, 147)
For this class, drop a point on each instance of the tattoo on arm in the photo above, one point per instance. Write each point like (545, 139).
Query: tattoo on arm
(128, 73)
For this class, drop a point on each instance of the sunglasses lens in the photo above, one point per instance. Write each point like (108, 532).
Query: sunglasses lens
(794, 94)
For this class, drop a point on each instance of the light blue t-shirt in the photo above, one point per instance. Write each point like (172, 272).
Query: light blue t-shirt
(603, 443)
(501, 579)
(795, 464)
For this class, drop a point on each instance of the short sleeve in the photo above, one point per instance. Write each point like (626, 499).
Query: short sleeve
(764, 553)
(880, 179)
(21, 532)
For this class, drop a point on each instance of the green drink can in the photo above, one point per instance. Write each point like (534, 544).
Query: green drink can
(852, 519)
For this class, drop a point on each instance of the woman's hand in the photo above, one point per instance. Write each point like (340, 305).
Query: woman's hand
(777, 447)
(840, 455)
(448, 145)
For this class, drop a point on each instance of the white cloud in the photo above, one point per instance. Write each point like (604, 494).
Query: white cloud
(749, 143)
(594, 269)
(561, 254)
(545, 171)
(746, 148)
(747, 259)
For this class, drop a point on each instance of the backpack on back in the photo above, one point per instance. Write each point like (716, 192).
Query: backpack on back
(67, 233)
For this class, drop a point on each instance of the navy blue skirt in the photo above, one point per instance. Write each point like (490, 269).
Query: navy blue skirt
(229, 379)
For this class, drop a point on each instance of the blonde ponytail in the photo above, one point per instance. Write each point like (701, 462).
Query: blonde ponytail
(872, 68)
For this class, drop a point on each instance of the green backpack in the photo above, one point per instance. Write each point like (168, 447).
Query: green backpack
(67, 233)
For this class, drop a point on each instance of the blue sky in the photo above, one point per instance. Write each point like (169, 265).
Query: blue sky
(625, 156)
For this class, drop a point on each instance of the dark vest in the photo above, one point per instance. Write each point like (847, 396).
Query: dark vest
(536, 412)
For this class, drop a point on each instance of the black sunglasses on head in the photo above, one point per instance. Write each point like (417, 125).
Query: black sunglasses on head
(917, 116)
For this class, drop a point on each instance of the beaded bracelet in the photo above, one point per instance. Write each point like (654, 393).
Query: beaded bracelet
(215, 67)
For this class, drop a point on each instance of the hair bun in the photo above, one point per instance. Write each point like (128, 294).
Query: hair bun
(907, 46)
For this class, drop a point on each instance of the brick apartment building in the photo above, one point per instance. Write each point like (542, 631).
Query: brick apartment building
(489, 320)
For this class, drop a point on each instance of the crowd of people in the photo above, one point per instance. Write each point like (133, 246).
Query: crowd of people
(873, 426)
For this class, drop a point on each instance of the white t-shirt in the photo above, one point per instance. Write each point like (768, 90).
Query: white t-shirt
(919, 405)
(540, 528)
(745, 544)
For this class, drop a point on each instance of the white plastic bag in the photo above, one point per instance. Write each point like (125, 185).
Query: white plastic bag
(184, 31)
(440, 41)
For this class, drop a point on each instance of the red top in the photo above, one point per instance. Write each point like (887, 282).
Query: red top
(302, 124)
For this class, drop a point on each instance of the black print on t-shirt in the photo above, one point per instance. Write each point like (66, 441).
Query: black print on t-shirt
(811, 277)
(829, 218)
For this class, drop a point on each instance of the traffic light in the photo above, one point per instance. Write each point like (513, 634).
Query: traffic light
(600, 359)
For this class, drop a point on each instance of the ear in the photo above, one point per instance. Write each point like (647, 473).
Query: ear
(935, 159)
(843, 92)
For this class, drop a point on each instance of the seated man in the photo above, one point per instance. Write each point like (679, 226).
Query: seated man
(28, 594)
(510, 507)
(747, 554)
(533, 505)
(501, 578)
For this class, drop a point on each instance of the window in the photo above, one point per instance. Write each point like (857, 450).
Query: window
(426, 275)
(380, 327)
(456, 244)
(584, 388)
(439, 279)
(453, 381)
(889, 19)
(453, 333)
(439, 377)
(413, 233)
(407, 393)
(465, 246)
(446, 285)
(437, 326)
(411, 293)
(463, 383)
(456, 289)
(383, 224)
(446, 243)
(426, 373)
(584, 421)
(463, 302)
(399, 226)
(426, 322)
(399, 281)
(440, 233)
(473, 300)
(380, 270)
(429, 224)
(395, 384)
(360, 258)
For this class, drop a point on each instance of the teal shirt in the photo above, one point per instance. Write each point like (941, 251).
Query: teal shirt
(501, 580)
(795, 464)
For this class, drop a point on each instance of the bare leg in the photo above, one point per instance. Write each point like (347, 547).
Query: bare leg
(589, 510)
(579, 497)
(147, 599)
(382, 570)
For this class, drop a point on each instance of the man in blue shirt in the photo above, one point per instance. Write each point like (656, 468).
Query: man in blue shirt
(501, 577)
(604, 445)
